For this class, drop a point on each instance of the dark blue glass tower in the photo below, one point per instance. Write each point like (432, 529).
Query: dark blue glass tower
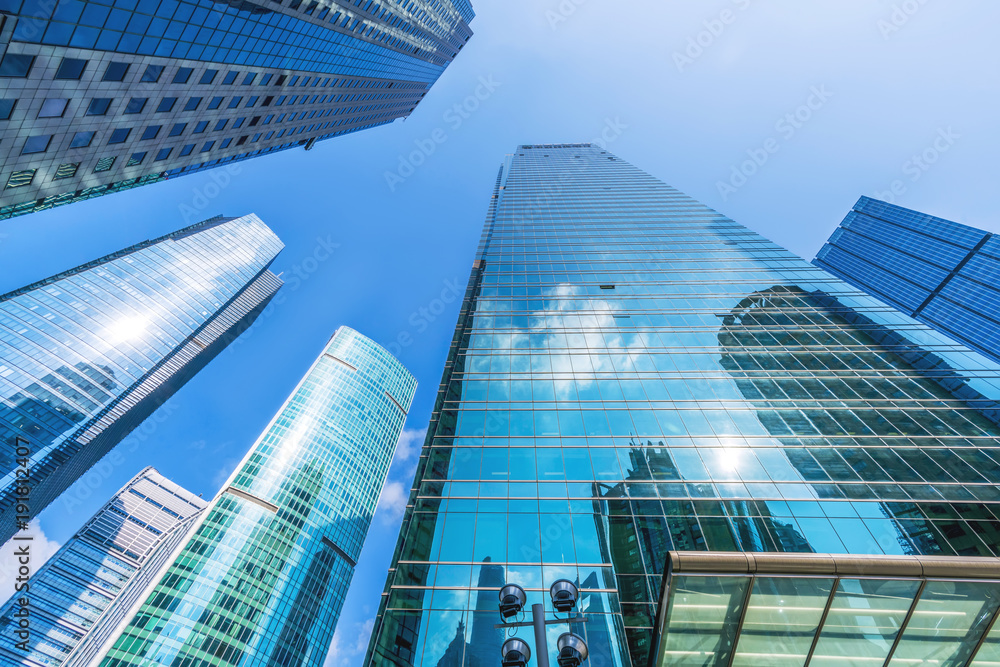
(942, 273)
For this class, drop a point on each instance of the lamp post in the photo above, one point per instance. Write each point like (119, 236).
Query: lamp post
(515, 651)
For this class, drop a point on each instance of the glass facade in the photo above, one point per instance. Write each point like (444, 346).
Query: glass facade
(942, 273)
(263, 578)
(74, 600)
(86, 355)
(106, 95)
(634, 373)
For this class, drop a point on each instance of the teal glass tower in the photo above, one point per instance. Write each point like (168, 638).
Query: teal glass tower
(75, 602)
(87, 354)
(262, 580)
(634, 375)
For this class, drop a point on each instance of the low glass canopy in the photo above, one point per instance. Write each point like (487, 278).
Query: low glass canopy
(785, 610)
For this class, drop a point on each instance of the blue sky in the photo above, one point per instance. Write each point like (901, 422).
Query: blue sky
(842, 97)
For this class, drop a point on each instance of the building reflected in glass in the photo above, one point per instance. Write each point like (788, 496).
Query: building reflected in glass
(86, 355)
(633, 373)
(79, 597)
(263, 578)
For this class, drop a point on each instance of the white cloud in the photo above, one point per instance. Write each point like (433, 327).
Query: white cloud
(41, 549)
(392, 502)
(396, 491)
(356, 641)
(409, 443)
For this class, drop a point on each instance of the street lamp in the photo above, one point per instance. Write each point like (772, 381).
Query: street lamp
(572, 648)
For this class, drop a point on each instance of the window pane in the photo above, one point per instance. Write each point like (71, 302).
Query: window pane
(71, 68)
(53, 108)
(36, 144)
(16, 65)
(115, 71)
(81, 139)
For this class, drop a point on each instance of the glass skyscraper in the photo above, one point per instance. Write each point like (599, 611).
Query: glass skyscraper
(77, 599)
(263, 578)
(945, 274)
(104, 95)
(87, 354)
(634, 375)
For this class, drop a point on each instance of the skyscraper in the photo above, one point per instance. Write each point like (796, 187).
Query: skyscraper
(939, 272)
(263, 578)
(86, 355)
(633, 374)
(77, 599)
(101, 96)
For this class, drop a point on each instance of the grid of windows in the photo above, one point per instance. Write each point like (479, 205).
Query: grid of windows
(346, 67)
(263, 579)
(119, 548)
(634, 373)
(942, 273)
(72, 378)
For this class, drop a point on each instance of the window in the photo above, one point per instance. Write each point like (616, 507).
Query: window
(187, 150)
(266, 79)
(207, 147)
(229, 78)
(192, 104)
(248, 79)
(53, 107)
(71, 68)
(136, 105)
(183, 74)
(221, 125)
(295, 80)
(177, 130)
(21, 178)
(16, 65)
(119, 136)
(242, 140)
(252, 101)
(66, 170)
(99, 106)
(135, 158)
(280, 80)
(235, 102)
(200, 127)
(81, 139)
(225, 142)
(163, 154)
(152, 74)
(166, 104)
(116, 72)
(267, 101)
(215, 102)
(239, 123)
(151, 132)
(254, 121)
(208, 76)
(36, 144)
(7, 108)
(104, 164)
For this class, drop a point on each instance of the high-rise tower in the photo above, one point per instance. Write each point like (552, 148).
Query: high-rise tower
(262, 580)
(102, 96)
(633, 374)
(78, 598)
(86, 355)
(942, 273)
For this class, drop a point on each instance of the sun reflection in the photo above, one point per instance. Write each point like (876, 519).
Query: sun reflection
(127, 328)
